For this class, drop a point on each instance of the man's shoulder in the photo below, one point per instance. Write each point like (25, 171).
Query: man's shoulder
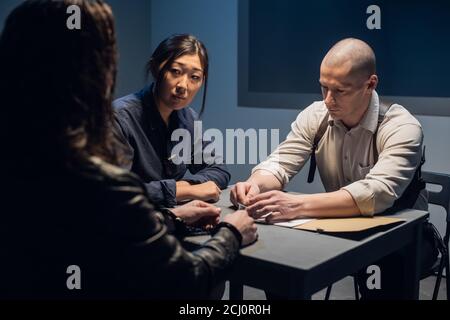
(313, 115)
(398, 115)
(399, 123)
(317, 106)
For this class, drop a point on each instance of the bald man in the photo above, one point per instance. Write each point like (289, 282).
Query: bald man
(368, 154)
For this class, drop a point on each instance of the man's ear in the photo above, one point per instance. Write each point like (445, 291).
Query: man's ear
(373, 82)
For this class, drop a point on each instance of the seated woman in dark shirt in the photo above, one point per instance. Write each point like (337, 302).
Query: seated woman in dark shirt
(65, 206)
(146, 120)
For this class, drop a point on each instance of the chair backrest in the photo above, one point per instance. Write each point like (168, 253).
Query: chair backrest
(442, 197)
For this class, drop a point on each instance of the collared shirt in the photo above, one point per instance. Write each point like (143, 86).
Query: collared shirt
(345, 158)
(148, 147)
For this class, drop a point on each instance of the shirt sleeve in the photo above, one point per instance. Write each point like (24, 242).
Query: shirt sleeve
(121, 135)
(216, 172)
(162, 192)
(291, 155)
(400, 155)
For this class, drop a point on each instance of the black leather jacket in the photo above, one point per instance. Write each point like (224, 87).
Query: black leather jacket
(100, 220)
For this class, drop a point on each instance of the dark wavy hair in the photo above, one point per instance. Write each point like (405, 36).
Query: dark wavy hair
(172, 48)
(56, 84)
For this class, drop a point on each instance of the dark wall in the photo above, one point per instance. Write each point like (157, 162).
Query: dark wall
(133, 37)
(412, 45)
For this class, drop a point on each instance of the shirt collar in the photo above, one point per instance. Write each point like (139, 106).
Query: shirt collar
(153, 115)
(370, 119)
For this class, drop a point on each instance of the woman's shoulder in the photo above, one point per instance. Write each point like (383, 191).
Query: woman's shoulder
(130, 103)
(98, 171)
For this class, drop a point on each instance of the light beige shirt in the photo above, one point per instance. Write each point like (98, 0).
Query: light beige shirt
(345, 158)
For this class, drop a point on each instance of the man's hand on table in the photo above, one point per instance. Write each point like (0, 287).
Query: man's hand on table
(277, 205)
(242, 191)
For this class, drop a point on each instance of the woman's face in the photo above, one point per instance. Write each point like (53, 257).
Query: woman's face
(181, 82)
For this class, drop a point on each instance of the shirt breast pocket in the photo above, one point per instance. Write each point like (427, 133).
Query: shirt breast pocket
(363, 170)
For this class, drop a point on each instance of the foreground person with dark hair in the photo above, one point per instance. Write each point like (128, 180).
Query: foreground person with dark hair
(66, 205)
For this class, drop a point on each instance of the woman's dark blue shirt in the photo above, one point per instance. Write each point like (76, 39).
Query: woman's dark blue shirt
(148, 147)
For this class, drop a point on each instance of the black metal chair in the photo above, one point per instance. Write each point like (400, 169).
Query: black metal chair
(439, 198)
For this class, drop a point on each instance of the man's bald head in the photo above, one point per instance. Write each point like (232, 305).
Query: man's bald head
(355, 52)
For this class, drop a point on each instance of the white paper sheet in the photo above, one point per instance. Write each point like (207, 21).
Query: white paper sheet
(293, 223)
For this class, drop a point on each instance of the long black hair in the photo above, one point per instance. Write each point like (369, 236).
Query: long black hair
(169, 50)
(56, 84)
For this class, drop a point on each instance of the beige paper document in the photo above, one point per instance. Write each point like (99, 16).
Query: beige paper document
(348, 224)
